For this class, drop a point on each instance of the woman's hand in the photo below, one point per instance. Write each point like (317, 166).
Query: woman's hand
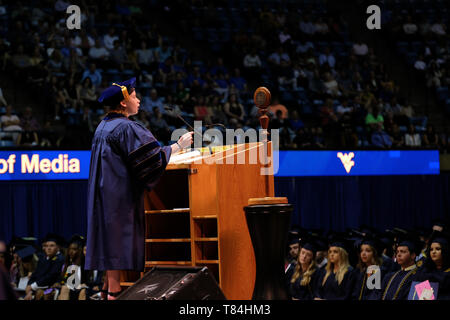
(185, 140)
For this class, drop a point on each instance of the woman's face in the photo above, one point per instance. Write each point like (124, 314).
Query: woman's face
(436, 252)
(132, 104)
(333, 255)
(305, 256)
(73, 251)
(366, 254)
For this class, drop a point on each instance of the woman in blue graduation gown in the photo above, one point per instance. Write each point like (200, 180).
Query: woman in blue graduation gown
(337, 279)
(126, 159)
(436, 267)
(304, 280)
(368, 256)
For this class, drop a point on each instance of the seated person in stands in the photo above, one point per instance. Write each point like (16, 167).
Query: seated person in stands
(235, 111)
(380, 138)
(48, 269)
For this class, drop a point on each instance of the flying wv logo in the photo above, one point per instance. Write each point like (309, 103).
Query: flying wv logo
(346, 160)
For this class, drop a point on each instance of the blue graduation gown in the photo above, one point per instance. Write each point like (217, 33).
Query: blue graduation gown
(396, 285)
(331, 290)
(388, 264)
(48, 271)
(126, 159)
(361, 291)
(300, 292)
(440, 276)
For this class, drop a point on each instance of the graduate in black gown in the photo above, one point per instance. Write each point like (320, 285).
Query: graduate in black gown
(48, 269)
(126, 159)
(369, 249)
(294, 248)
(436, 267)
(303, 284)
(387, 254)
(396, 285)
(337, 278)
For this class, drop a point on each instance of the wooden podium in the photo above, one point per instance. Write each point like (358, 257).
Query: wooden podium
(195, 215)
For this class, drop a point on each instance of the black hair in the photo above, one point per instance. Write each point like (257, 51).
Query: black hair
(430, 265)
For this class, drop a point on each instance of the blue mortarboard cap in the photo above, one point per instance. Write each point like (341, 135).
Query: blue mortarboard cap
(26, 252)
(117, 92)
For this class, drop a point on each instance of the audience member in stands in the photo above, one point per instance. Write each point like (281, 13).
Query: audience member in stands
(93, 74)
(412, 138)
(430, 138)
(398, 139)
(380, 138)
(235, 111)
(374, 118)
(10, 124)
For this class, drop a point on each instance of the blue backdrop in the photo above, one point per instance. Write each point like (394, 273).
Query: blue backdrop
(33, 208)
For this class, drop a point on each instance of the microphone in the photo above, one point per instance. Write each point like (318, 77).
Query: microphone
(184, 121)
(215, 125)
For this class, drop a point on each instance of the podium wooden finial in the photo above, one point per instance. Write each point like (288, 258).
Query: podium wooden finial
(262, 99)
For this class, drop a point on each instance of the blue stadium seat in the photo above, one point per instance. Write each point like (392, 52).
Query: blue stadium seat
(6, 143)
(442, 93)
(306, 109)
(287, 97)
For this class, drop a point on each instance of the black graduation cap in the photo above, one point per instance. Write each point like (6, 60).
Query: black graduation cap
(79, 240)
(26, 253)
(59, 240)
(117, 92)
(20, 243)
(309, 242)
(340, 239)
(442, 238)
(365, 229)
(373, 241)
(412, 241)
(440, 222)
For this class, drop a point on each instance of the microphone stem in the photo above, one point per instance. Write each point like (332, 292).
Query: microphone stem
(179, 117)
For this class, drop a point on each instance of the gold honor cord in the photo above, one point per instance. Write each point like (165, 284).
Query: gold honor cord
(124, 89)
(413, 271)
(362, 287)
